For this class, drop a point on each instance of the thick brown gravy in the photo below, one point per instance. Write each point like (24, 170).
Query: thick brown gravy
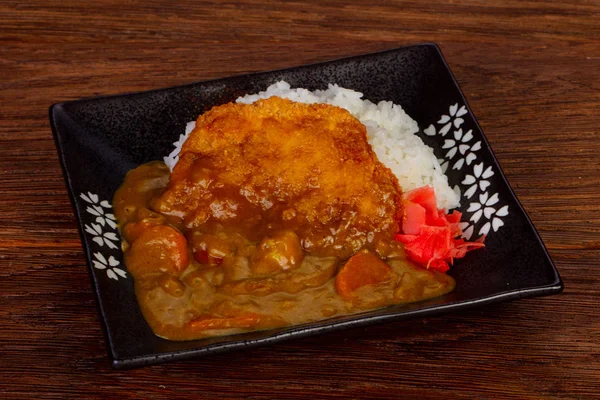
(243, 269)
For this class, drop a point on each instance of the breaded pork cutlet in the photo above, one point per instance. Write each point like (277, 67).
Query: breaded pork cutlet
(278, 164)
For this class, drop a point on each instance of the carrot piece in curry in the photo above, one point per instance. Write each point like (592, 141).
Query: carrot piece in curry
(364, 268)
(159, 248)
(242, 321)
(133, 230)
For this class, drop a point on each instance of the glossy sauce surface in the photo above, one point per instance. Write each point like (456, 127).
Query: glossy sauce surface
(184, 299)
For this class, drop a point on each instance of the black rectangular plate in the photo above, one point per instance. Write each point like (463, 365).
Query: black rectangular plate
(100, 139)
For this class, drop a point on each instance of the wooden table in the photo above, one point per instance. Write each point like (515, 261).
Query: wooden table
(531, 73)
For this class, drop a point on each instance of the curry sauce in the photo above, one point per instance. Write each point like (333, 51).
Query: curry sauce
(276, 213)
(215, 280)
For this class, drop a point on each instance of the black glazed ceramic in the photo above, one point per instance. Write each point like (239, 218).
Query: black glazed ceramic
(100, 139)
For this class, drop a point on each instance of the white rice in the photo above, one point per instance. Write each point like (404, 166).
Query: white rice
(390, 131)
(173, 157)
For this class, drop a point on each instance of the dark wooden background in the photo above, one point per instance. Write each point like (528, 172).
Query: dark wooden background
(531, 73)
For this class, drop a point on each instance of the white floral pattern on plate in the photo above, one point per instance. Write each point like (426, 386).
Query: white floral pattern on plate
(484, 215)
(110, 265)
(104, 234)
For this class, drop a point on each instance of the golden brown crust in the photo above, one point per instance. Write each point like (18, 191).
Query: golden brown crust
(306, 167)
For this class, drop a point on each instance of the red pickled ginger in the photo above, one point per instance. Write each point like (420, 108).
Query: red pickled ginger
(432, 237)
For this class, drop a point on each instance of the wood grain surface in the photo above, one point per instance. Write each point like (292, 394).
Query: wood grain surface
(531, 73)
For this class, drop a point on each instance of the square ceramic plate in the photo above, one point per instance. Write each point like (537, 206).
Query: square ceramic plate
(100, 139)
